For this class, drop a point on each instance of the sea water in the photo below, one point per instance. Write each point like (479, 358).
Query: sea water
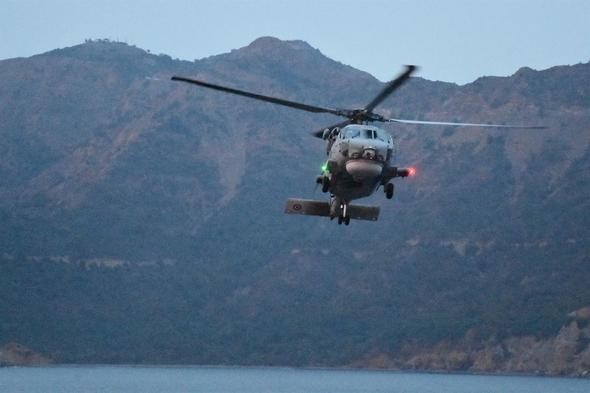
(134, 379)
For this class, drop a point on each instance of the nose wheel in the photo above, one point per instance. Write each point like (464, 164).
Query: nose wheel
(388, 189)
(324, 181)
(344, 217)
(325, 184)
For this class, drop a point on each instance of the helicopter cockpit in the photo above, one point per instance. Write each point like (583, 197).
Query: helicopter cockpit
(355, 131)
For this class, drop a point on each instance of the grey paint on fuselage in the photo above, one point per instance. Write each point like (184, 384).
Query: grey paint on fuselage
(358, 161)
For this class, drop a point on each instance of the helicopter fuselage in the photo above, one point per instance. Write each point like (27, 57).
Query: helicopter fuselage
(357, 157)
(359, 161)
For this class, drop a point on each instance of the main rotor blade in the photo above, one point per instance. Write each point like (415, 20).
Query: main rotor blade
(445, 123)
(391, 86)
(274, 100)
(320, 133)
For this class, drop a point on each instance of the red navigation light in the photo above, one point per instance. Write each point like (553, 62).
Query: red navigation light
(411, 171)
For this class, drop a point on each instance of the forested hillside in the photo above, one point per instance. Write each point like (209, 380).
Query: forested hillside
(142, 219)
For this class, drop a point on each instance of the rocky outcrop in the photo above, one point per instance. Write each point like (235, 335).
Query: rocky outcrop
(566, 354)
(14, 354)
(583, 314)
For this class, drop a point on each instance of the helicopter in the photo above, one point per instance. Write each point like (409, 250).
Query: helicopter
(359, 154)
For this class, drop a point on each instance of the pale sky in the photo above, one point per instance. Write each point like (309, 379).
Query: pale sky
(453, 40)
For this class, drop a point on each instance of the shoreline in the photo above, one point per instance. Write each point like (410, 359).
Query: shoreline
(300, 368)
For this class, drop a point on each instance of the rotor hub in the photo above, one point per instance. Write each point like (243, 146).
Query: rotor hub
(361, 116)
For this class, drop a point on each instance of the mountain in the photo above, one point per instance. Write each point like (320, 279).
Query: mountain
(142, 219)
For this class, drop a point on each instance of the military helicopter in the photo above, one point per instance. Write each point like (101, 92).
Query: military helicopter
(359, 154)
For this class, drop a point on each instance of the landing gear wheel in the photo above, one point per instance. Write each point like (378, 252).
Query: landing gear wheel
(344, 217)
(325, 184)
(389, 190)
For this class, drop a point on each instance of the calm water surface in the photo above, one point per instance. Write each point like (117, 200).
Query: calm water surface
(129, 379)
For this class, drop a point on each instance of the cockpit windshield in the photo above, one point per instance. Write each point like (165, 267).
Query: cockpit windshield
(352, 133)
(381, 135)
(367, 133)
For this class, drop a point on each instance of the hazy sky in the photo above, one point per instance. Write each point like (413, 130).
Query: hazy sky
(454, 41)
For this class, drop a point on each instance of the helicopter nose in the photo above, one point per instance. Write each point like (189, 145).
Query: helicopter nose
(369, 154)
(362, 169)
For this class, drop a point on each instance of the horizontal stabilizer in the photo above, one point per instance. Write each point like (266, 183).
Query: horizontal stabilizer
(310, 207)
(307, 207)
(362, 212)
